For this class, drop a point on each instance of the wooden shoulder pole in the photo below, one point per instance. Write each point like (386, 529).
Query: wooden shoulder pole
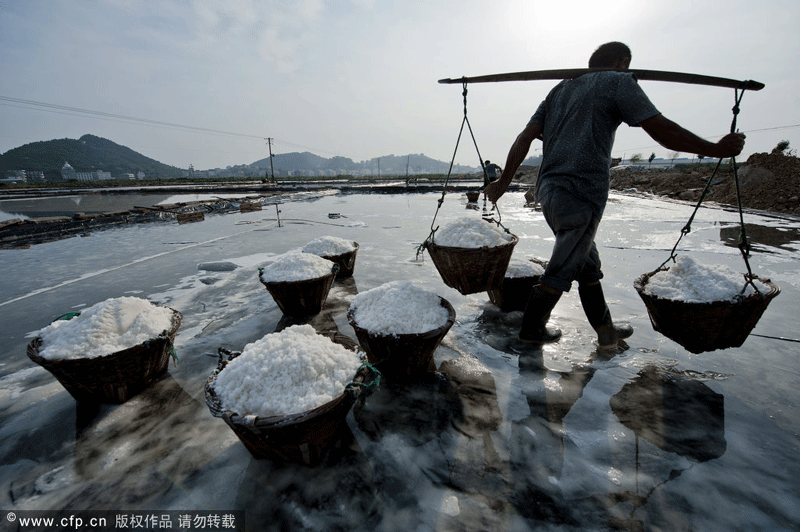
(651, 75)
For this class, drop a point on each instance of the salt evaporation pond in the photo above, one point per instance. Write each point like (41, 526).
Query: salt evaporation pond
(561, 438)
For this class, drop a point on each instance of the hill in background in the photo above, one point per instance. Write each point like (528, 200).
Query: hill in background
(90, 153)
(311, 164)
(86, 154)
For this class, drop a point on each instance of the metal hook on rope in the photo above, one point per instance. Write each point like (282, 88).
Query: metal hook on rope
(489, 217)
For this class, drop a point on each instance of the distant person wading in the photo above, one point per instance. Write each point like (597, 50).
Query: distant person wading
(492, 172)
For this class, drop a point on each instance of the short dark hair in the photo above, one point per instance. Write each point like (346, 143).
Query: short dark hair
(609, 53)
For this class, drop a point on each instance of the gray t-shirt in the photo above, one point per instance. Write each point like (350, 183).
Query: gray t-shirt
(579, 119)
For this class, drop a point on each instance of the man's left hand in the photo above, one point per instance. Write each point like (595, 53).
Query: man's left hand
(494, 191)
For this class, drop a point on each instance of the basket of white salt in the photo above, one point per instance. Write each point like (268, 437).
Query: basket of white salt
(338, 250)
(400, 326)
(704, 308)
(471, 254)
(286, 396)
(109, 352)
(520, 277)
(299, 282)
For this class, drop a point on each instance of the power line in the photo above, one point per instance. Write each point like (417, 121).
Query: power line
(77, 111)
(771, 128)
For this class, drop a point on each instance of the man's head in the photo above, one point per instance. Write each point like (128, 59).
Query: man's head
(611, 55)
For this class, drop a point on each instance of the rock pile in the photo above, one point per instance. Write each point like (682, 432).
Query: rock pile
(767, 181)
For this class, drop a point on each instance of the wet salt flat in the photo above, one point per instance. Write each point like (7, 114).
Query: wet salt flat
(556, 438)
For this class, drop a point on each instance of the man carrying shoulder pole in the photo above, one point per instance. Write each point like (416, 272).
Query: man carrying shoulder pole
(577, 122)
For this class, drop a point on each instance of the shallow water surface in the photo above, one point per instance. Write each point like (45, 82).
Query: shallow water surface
(500, 437)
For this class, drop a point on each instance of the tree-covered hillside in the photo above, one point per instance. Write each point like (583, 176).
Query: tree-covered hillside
(386, 165)
(86, 154)
(90, 153)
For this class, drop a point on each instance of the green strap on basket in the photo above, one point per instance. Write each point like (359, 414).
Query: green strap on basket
(170, 346)
(68, 316)
(173, 354)
(374, 383)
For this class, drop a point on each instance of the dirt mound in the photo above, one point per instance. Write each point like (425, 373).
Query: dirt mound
(767, 181)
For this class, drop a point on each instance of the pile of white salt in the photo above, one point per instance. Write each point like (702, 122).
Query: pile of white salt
(398, 307)
(518, 268)
(329, 246)
(692, 282)
(471, 233)
(296, 267)
(287, 372)
(104, 328)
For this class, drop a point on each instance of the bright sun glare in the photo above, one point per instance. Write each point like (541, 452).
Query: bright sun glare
(569, 19)
(575, 15)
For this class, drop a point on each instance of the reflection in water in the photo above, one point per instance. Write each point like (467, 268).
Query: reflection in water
(675, 414)
(340, 494)
(776, 237)
(550, 396)
(86, 203)
(526, 442)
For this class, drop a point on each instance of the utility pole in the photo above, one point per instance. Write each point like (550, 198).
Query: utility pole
(271, 169)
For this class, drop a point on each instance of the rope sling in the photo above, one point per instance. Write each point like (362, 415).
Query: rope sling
(708, 326)
(743, 244)
(487, 214)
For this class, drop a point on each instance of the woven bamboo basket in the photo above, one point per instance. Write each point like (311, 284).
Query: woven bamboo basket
(700, 327)
(514, 292)
(346, 262)
(472, 270)
(472, 196)
(301, 438)
(116, 377)
(403, 357)
(301, 298)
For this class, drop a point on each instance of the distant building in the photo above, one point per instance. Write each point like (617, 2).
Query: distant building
(34, 176)
(67, 172)
(15, 176)
(95, 175)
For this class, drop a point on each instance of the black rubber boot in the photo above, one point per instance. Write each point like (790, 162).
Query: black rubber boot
(537, 312)
(596, 309)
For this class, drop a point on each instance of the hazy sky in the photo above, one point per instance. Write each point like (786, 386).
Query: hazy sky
(358, 78)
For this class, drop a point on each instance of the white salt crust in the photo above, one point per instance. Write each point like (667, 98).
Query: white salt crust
(287, 372)
(690, 281)
(104, 328)
(296, 267)
(328, 246)
(398, 307)
(523, 268)
(471, 233)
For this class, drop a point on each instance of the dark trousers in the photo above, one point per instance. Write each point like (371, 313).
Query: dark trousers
(574, 257)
